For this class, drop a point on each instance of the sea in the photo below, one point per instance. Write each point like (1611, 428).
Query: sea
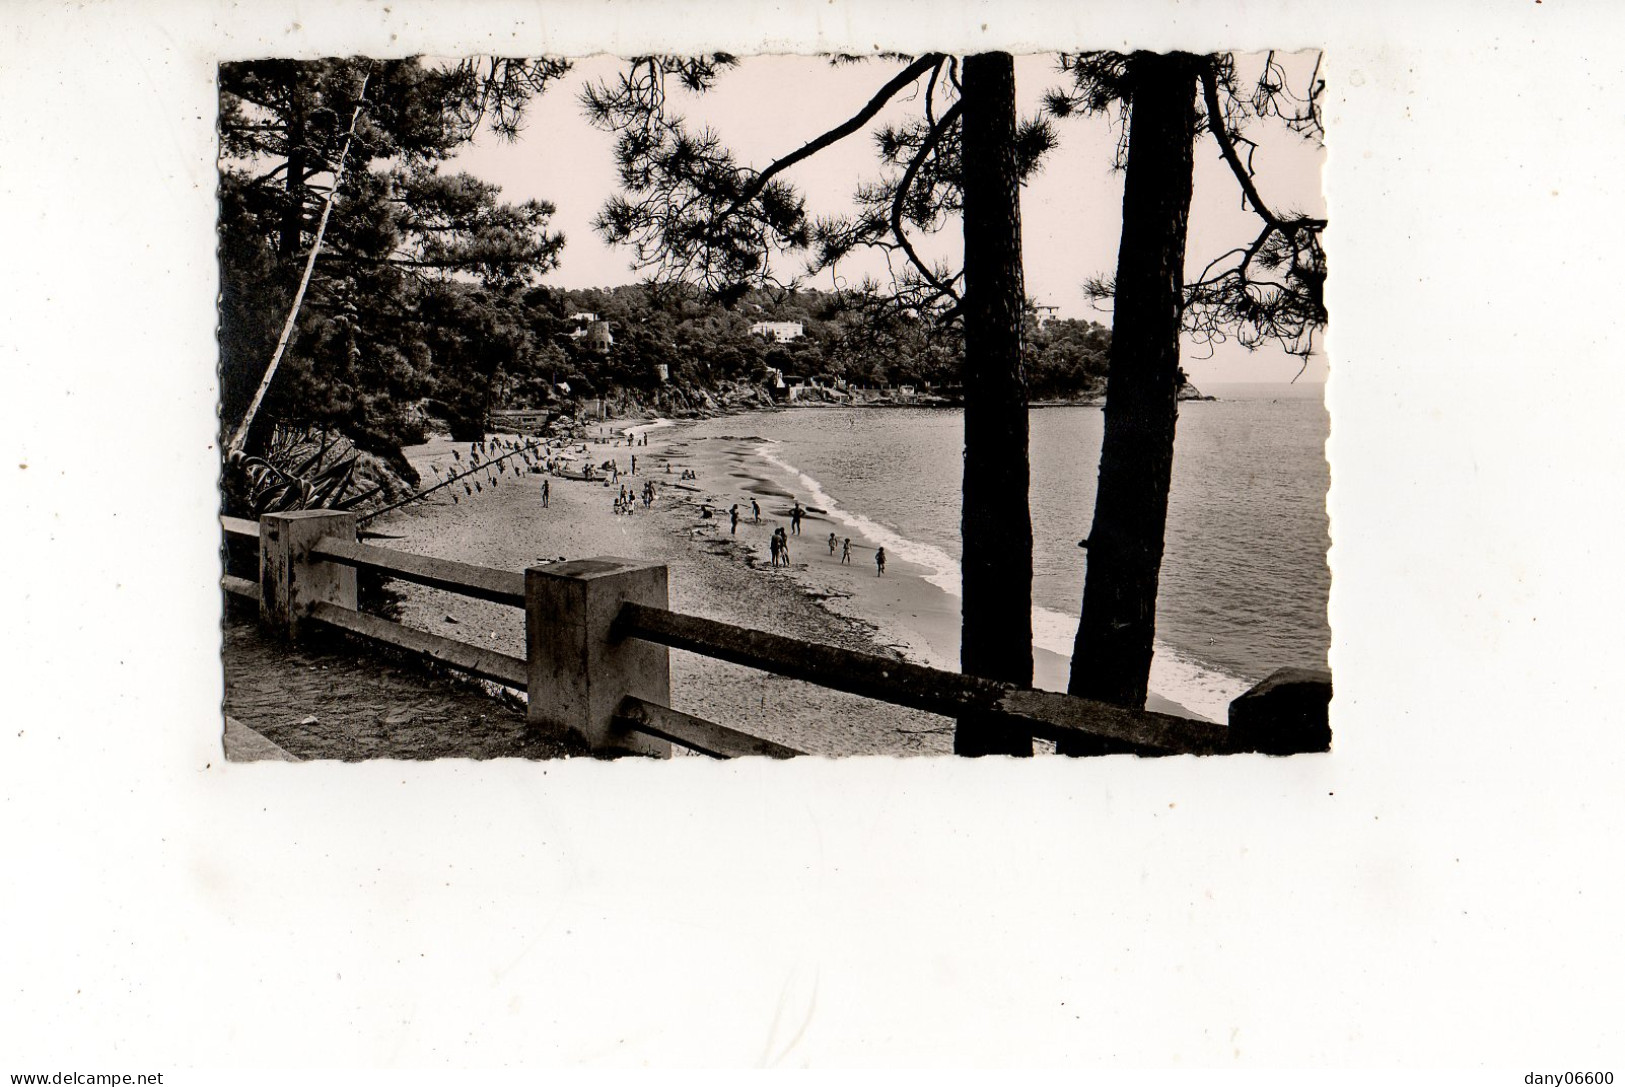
(1244, 581)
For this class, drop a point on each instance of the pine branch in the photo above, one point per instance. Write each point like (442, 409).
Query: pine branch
(839, 132)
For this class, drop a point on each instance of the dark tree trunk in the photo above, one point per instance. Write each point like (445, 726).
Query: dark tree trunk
(996, 638)
(1111, 659)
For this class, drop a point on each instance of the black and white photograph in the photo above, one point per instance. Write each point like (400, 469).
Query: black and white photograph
(1055, 541)
(774, 405)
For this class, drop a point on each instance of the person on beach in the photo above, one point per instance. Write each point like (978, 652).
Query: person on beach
(880, 561)
(784, 546)
(755, 513)
(733, 519)
(634, 464)
(545, 493)
(846, 551)
(795, 520)
(832, 543)
(773, 548)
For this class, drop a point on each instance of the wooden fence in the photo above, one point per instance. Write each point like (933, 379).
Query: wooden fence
(598, 634)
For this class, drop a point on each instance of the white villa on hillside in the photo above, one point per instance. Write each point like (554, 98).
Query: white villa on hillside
(782, 331)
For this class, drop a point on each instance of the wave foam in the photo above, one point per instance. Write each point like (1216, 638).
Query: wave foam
(1202, 688)
(944, 570)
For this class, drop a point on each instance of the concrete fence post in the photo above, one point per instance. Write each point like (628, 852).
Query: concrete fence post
(1287, 713)
(578, 673)
(290, 580)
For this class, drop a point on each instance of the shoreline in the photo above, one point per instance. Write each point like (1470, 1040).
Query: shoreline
(909, 612)
(714, 572)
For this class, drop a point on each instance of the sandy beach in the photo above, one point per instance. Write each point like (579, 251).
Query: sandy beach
(713, 573)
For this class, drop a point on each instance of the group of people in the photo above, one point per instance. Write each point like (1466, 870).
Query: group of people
(755, 517)
(484, 462)
(778, 543)
(626, 501)
(481, 459)
(609, 471)
(846, 549)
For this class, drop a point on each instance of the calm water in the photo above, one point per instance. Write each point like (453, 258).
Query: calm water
(1244, 577)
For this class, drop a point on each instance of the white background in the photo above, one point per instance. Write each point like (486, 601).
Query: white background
(1443, 889)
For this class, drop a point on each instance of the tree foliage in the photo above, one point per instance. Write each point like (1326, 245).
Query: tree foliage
(1269, 290)
(705, 342)
(406, 245)
(691, 212)
(688, 210)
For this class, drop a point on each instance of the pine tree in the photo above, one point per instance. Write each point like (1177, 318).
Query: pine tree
(691, 212)
(401, 231)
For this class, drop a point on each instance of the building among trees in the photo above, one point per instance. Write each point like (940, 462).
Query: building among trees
(593, 333)
(779, 331)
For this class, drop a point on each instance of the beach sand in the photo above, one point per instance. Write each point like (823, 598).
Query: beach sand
(715, 572)
(710, 575)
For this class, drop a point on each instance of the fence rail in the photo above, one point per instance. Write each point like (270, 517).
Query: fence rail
(696, 733)
(952, 694)
(598, 633)
(464, 579)
(240, 586)
(240, 526)
(473, 659)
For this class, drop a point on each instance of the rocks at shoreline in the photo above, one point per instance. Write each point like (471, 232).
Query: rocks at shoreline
(693, 402)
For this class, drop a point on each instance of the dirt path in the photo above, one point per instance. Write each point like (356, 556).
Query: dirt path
(320, 703)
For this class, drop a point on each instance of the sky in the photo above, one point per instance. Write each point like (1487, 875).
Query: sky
(768, 106)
